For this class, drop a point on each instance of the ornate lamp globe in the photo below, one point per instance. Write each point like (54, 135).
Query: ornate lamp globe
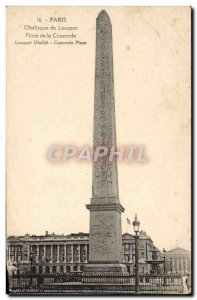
(136, 225)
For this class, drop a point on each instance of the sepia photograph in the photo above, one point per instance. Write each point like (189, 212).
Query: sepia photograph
(98, 150)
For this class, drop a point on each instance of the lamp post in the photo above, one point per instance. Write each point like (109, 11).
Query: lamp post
(136, 225)
(32, 262)
(164, 261)
(184, 268)
(164, 265)
(31, 266)
(171, 265)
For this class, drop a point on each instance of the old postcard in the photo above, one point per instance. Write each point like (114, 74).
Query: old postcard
(98, 150)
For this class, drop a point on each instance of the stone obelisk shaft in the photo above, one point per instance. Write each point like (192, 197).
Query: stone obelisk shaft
(105, 177)
(105, 246)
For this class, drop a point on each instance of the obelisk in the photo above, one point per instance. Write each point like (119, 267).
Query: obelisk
(105, 245)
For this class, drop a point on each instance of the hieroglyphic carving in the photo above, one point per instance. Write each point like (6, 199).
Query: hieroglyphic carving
(104, 172)
(102, 235)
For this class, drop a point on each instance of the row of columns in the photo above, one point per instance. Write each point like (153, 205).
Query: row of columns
(51, 255)
(179, 264)
(59, 268)
(130, 253)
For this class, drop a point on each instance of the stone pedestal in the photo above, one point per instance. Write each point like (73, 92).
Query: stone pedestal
(105, 238)
(106, 269)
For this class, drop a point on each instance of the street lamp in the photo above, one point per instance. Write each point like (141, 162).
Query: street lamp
(171, 265)
(164, 261)
(32, 262)
(136, 225)
(184, 268)
(31, 258)
(164, 265)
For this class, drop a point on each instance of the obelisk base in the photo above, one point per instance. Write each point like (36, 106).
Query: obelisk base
(105, 274)
(105, 269)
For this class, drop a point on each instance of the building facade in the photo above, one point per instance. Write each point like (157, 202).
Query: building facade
(178, 260)
(53, 253)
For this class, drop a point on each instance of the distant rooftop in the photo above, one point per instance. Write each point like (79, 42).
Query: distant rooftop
(79, 235)
(53, 235)
(178, 250)
(50, 236)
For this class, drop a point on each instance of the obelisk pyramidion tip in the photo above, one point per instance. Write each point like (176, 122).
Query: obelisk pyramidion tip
(103, 16)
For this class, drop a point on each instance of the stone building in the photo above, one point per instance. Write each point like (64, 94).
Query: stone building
(51, 253)
(178, 260)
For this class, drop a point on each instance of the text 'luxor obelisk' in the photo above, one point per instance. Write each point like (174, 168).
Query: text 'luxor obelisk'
(105, 246)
